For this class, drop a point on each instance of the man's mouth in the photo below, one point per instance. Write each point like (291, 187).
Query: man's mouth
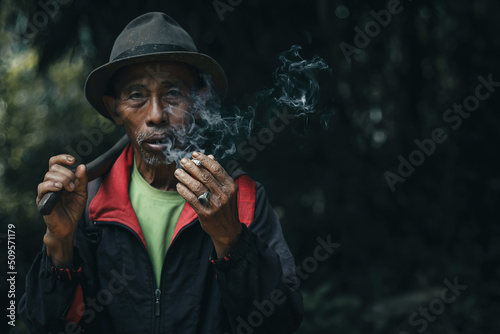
(157, 142)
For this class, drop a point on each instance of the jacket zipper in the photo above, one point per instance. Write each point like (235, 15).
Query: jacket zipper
(157, 302)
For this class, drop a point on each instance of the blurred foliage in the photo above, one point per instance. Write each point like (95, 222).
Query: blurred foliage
(398, 247)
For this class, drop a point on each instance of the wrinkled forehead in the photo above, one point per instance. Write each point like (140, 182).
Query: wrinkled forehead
(153, 74)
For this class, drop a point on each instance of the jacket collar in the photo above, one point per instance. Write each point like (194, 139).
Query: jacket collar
(112, 202)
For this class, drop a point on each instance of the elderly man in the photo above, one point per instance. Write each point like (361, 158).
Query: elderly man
(149, 247)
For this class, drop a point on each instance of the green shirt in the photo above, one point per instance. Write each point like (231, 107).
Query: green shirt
(158, 212)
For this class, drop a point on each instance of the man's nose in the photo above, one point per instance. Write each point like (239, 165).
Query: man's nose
(156, 115)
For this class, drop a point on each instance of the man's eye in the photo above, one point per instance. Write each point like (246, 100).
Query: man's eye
(173, 93)
(136, 96)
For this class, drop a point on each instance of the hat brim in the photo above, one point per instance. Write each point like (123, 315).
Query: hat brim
(97, 81)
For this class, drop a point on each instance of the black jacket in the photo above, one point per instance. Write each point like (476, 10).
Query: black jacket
(112, 287)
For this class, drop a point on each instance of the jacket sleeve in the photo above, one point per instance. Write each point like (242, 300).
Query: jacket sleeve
(53, 301)
(51, 294)
(257, 281)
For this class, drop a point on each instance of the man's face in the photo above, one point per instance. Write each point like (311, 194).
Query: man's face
(152, 102)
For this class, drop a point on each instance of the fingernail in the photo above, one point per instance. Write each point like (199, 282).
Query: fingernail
(195, 154)
(184, 161)
(58, 184)
(70, 158)
(71, 186)
(77, 183)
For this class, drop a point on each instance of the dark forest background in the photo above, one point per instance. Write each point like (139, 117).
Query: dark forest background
(325, 175)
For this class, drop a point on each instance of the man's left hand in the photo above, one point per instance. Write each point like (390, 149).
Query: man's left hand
(219, 216)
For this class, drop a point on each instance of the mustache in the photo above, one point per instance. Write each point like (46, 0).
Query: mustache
(172, 136)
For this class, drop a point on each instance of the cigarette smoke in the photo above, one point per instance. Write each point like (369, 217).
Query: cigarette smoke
(295, 82)
(214, 130)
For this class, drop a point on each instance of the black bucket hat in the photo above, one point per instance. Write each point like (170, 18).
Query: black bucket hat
(151, 37)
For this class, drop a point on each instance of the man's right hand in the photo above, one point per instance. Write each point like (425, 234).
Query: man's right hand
(63, 220)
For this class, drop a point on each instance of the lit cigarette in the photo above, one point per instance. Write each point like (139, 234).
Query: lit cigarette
(196, 162)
